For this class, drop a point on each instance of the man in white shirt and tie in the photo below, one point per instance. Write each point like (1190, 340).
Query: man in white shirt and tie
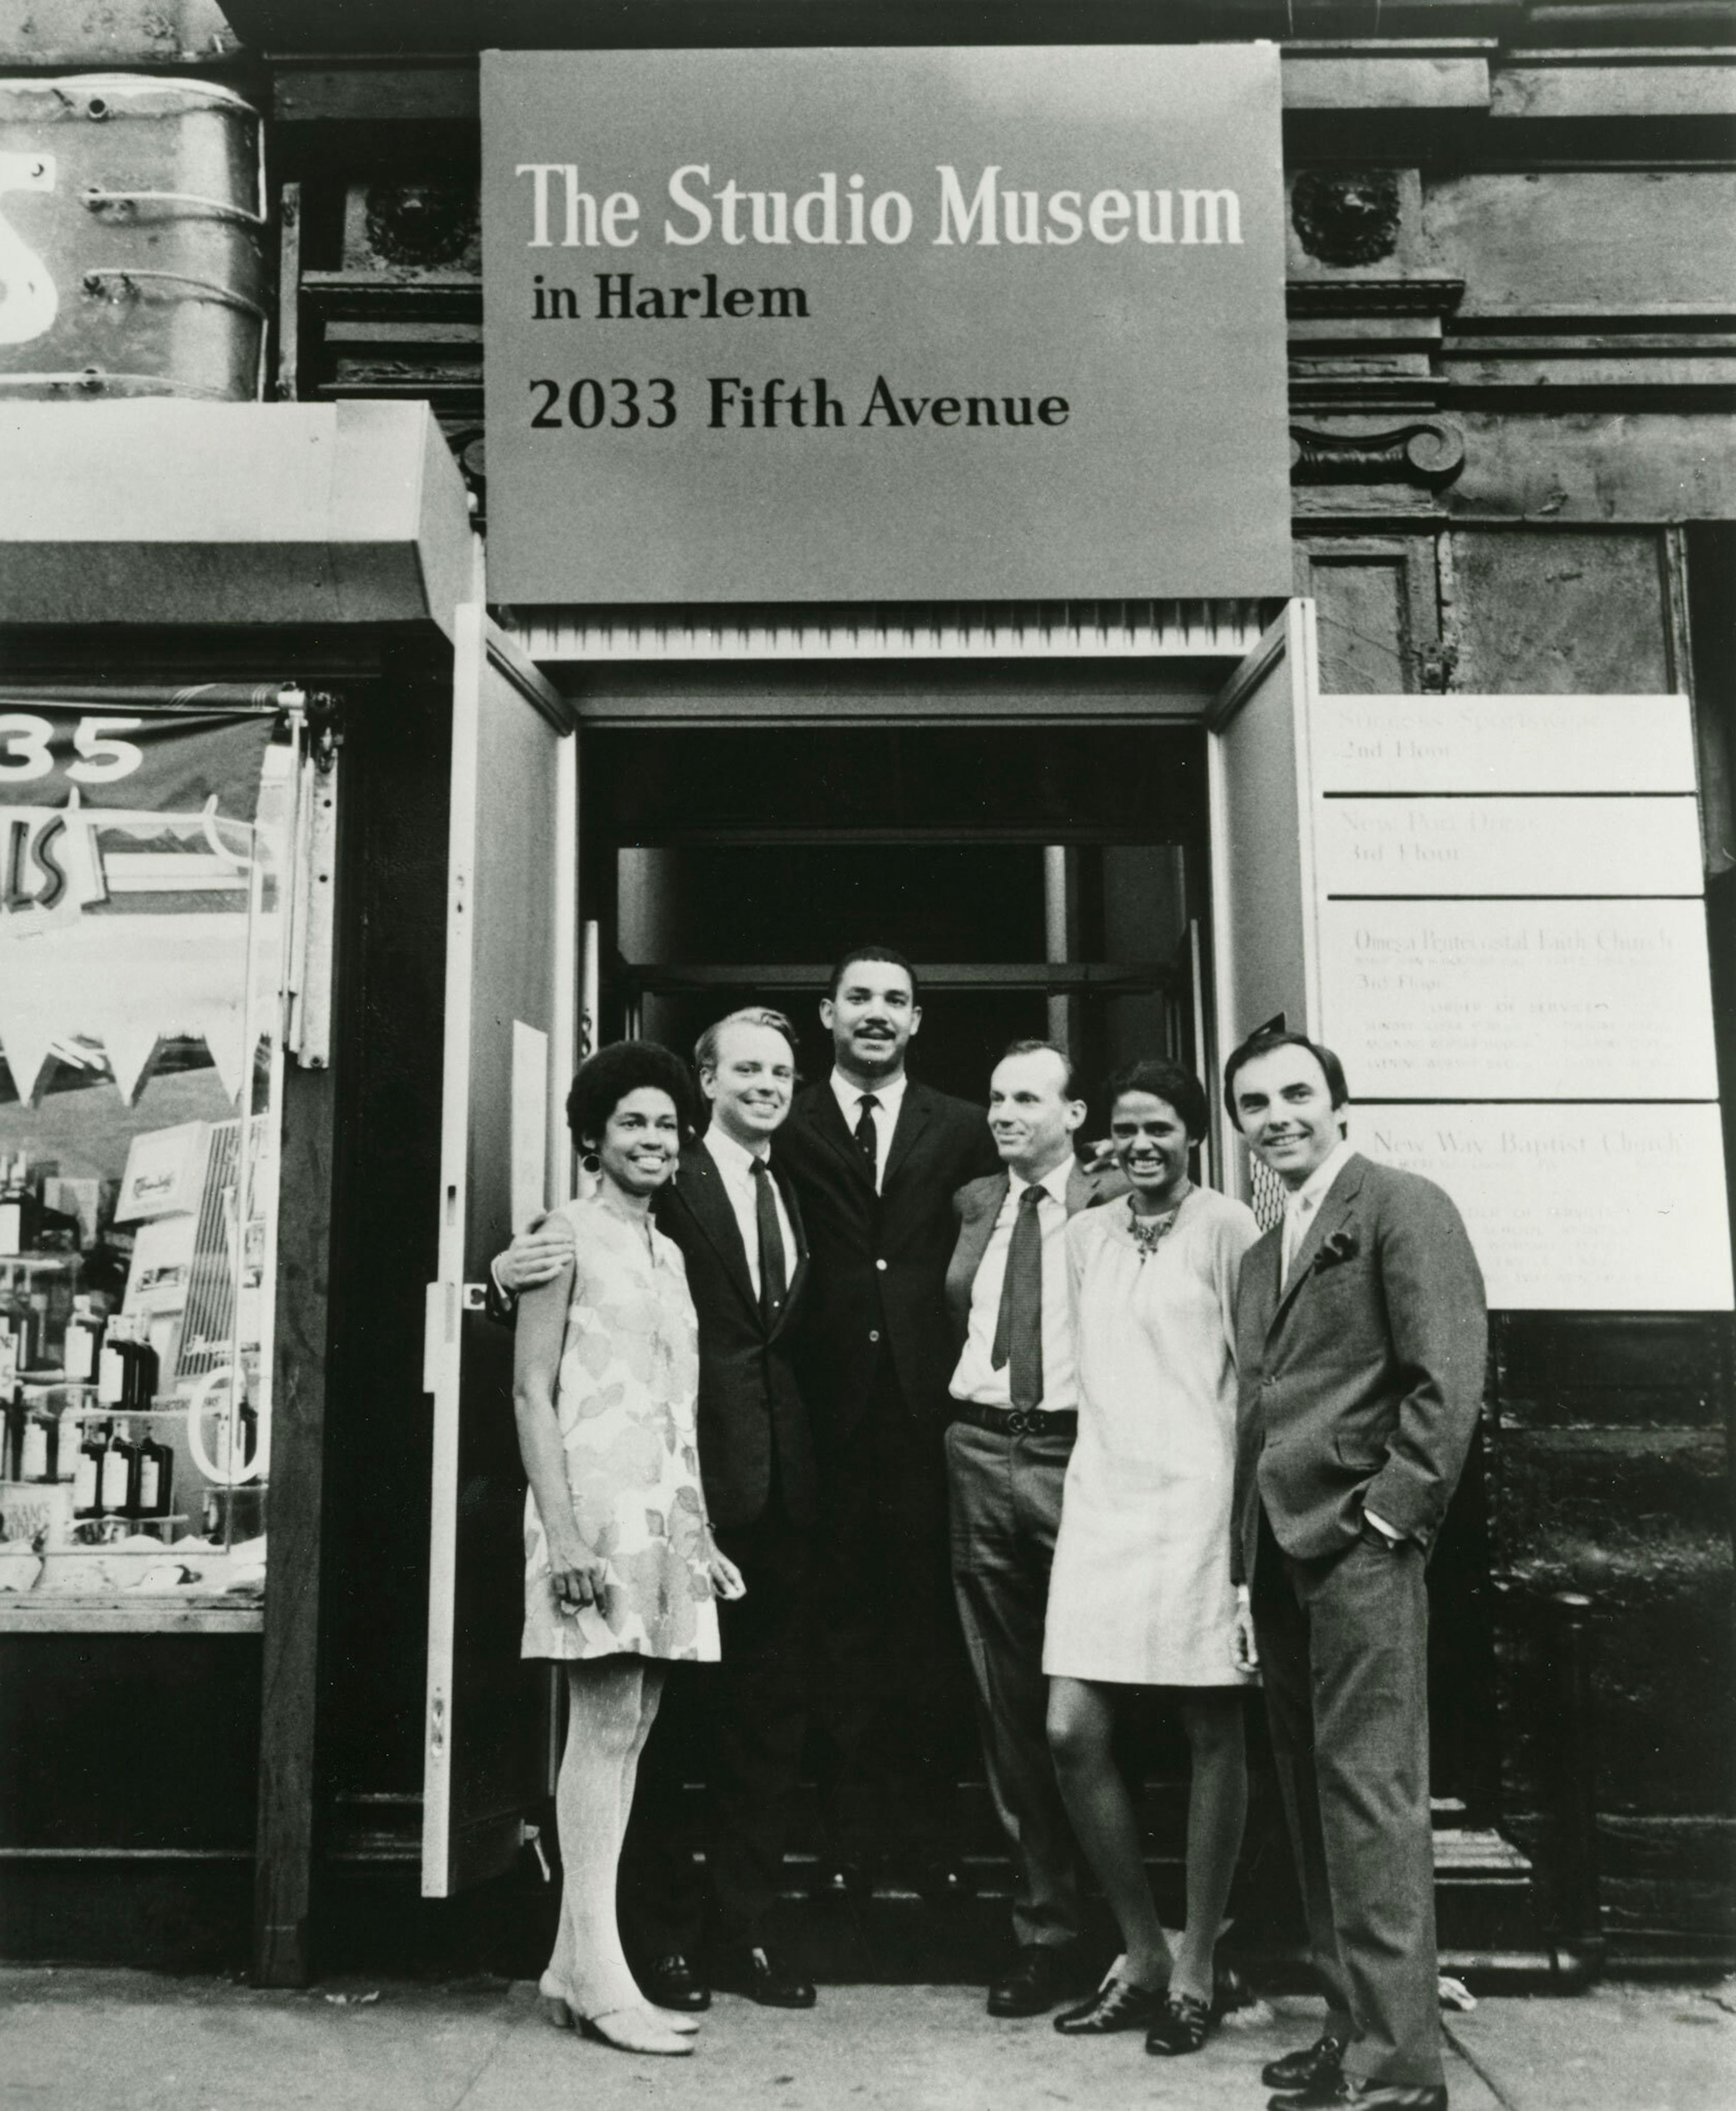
(733, 1213)
(1014, 1408)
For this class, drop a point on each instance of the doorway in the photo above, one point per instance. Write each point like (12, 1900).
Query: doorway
(1049, 880)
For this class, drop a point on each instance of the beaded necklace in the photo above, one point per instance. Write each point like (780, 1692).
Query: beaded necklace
(1150, 1232)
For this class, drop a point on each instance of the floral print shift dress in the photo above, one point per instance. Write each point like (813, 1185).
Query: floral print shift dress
(625, 1399)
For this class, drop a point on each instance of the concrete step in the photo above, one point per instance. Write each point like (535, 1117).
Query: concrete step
(1490, 1929)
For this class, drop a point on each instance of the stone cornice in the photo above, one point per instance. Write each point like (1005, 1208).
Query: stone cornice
(394, 30)
(1306, 299)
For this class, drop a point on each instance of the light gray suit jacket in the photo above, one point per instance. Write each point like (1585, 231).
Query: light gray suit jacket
(1360, 1384)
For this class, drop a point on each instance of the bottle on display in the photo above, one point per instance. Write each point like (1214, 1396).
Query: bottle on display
(113, 1363)
(115, 1483)
(143, 1366)
(40, 1323)
(153, 1474)
(39, 1458)
(17, 1205)
(236, 1439)
(19, 1317)
(13, 1468)
(87, 1486)
(84, 1342)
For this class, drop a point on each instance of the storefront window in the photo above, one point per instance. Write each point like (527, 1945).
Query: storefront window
(146, 895)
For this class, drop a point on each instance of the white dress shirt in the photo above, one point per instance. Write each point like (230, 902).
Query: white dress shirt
(1300, 1203)
(976, 1377)
(884, 1117)
(734, 1162)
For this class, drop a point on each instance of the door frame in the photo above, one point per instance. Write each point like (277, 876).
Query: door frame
(450, 1861)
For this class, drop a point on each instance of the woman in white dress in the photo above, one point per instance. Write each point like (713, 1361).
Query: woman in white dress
(1140, 1594)
(620, 1571)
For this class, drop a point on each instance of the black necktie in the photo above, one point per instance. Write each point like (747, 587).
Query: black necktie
(773, 1281)
(867, 1140)
(1018, 1326)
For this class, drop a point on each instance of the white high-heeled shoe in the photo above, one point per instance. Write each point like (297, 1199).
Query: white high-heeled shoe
(634, 2028)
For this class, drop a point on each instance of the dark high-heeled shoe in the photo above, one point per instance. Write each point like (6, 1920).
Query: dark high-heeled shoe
(1118, 2004)
(1182, 2025)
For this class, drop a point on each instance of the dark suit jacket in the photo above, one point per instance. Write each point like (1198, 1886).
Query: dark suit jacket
(977, 1205)
(750, 1408)
(1361, 1383)
(879, 1261)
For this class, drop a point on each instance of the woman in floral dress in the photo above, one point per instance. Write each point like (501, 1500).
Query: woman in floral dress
(621, 1572)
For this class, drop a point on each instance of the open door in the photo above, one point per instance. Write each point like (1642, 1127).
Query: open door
(1264, 944)
(510, 968)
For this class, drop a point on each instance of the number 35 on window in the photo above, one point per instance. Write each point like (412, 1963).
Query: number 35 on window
(27, 749)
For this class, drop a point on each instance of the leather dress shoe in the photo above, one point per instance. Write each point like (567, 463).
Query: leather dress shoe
(743, 1968)
(1033, 1983)
(1314, 2064)
(672, 1982)
(1118, 2004)
(1362, 2096)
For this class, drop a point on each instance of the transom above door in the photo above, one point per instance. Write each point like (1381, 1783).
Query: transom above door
(1046, 879)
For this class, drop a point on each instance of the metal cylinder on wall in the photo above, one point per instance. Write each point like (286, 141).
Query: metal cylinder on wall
(132, 252)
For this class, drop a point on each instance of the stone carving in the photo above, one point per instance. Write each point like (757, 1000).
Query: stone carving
(1428, 451)
(423, 227)
(1347, 216)
(464, 436)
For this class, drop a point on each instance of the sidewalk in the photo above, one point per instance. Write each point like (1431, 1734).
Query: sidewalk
(76, 2040)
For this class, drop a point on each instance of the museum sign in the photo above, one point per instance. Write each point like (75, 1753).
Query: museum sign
(885, 326)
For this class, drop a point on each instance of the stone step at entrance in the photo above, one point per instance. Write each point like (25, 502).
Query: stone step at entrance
(1489, 1917)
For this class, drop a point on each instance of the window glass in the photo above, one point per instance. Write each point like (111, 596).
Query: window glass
(144, 893)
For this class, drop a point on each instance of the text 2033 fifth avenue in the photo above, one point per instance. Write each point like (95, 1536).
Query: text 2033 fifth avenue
(622, 402)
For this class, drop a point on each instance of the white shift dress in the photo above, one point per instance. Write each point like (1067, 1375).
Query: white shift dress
(1140, 1593)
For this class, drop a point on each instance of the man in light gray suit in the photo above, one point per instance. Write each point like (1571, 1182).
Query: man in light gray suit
(1015, 1416)
(1362, 1336)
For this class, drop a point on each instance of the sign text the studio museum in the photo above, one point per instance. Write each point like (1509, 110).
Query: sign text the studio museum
(846, 325)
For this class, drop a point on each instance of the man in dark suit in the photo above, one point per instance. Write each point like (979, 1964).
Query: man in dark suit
(734, 1213)
(1361, 1335)
(1015, 1414)
(876, 1158)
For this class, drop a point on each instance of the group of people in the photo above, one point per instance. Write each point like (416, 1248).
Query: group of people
(857, 1393)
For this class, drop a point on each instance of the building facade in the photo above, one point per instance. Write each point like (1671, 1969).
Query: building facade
(1509, 299)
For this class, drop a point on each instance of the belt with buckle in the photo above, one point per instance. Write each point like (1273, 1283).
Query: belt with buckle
(1017, 1421)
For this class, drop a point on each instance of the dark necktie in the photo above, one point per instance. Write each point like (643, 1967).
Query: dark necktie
(773, 1281)
(1018, 1326)
(867, 1140)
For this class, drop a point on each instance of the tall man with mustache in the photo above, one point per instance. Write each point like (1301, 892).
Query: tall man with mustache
(876, 1158)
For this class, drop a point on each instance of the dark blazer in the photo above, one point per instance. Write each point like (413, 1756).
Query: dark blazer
(879, 1261)
(979, 1204)
(750, 1408)
(1361, 1384)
